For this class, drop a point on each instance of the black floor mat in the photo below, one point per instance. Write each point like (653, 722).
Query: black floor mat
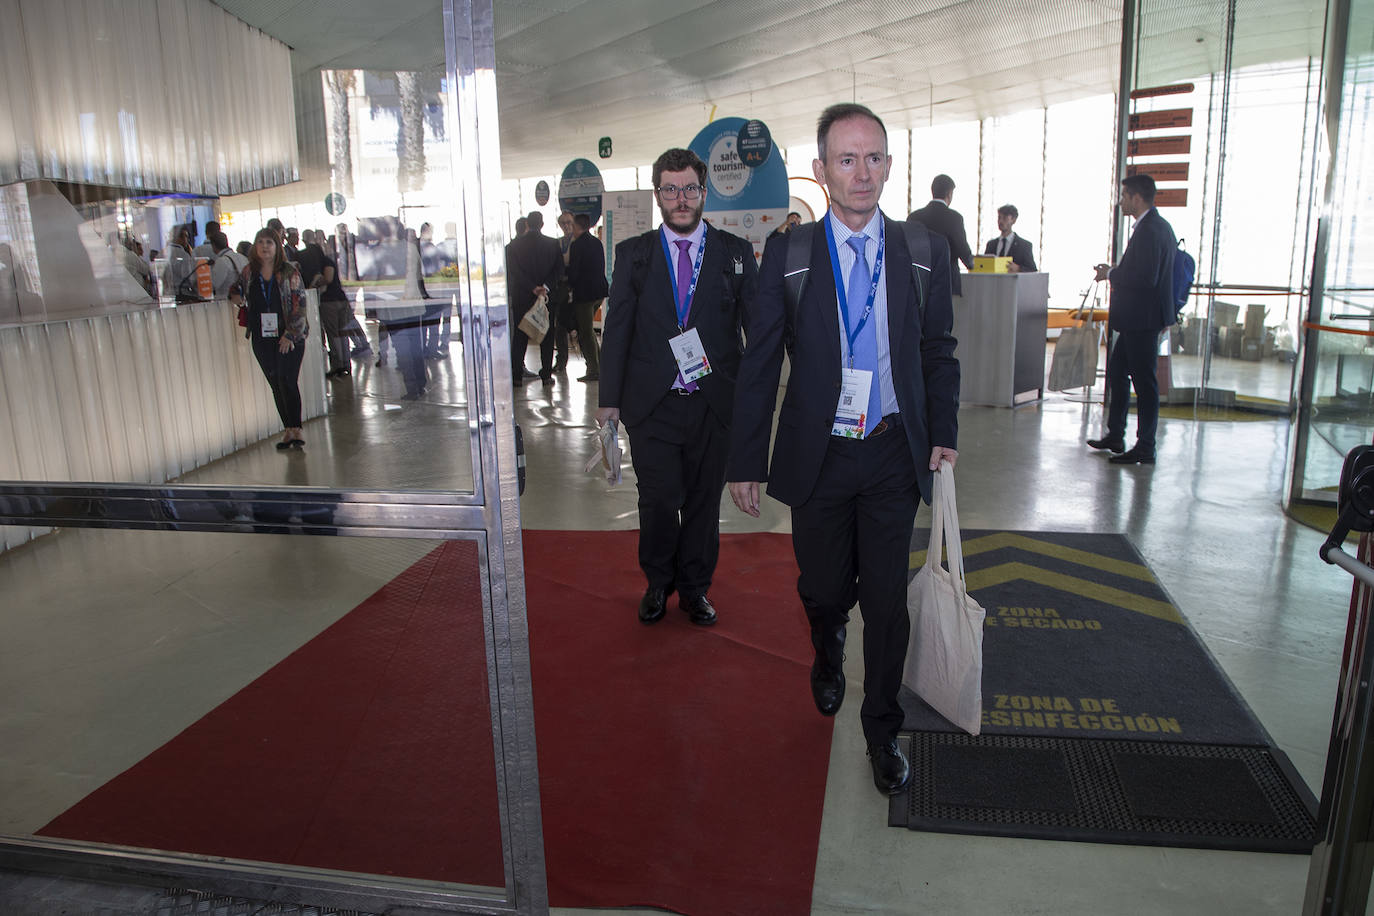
(1089, 790)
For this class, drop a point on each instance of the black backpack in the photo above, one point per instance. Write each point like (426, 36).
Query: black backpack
(1185, 268)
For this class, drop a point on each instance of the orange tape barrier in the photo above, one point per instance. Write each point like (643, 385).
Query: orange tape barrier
(1326, 327)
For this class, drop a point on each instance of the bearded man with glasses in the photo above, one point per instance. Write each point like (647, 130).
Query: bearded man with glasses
(670, 352)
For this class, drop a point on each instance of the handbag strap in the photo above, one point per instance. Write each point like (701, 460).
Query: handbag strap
(949, 517)
(936, 545)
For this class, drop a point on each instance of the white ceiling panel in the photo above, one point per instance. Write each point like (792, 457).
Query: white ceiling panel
(650, 74)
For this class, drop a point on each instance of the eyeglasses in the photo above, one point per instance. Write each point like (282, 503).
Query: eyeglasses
(671, 191)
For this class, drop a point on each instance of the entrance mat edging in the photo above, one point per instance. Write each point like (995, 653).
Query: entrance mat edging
(1271, 812)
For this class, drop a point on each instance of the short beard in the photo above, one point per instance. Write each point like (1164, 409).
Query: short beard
(666, 212)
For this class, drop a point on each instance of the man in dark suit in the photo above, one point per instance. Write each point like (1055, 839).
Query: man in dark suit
(587, 284)
(1010, 245)
(534, 263)
(871, 409)
(669, 356)
(1142, 305)
(939, 218)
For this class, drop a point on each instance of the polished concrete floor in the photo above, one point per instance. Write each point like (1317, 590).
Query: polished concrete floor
(113, 641)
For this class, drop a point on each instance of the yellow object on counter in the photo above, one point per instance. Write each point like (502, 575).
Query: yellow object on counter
(990, 264)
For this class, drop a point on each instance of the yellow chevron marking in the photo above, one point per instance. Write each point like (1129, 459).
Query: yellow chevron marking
(1010, 572)
(1002, 539)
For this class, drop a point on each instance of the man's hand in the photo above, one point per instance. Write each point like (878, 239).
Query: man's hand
(940, 453)
(746, 496)
(541, 291)
(606, 414)
(1101, 271)
(1013, 268)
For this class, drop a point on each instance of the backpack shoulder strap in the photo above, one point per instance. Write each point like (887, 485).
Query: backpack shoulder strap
(641, 256)
(918, 244)
(796, 268)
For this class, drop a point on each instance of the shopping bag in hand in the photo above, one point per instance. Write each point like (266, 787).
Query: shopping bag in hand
(944, 659)
(535, 322)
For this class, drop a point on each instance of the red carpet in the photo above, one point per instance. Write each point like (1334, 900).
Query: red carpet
(680, 767)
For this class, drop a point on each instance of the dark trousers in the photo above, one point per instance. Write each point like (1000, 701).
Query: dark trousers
(282, 371)
(410, 355)
(852, 539)
(435, 320)
(334, 316)
(519, 343)
(586, 335)
(679, 455)
(1131, 362)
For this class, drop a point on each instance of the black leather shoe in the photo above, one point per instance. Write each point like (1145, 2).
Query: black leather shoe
(698, 609)
(891, 771)
(1136, 455)
(1109, 444)
(827, 671)
(653, 605)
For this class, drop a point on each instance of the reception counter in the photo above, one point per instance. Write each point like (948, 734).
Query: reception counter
(999, 322)
(136, 397)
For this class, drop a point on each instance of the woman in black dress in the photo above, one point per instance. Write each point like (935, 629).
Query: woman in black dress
(270, 288)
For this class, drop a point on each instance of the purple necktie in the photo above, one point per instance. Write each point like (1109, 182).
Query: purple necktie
(684, 277)
(684, 286)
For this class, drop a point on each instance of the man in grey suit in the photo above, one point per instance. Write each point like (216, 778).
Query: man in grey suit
(1142, 306)
(871, 410)
(938, 217)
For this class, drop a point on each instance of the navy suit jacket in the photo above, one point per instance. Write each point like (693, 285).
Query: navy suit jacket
(637, 364)
(1020, 251)
(1143, 282)
(532, 259)
(940, 218)
(587, 268)
(925, 372)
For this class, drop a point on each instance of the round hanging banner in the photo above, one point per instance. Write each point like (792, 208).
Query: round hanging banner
(335, 203)
(580, 189)
(748, 201)
(755, 143)
(541, 192)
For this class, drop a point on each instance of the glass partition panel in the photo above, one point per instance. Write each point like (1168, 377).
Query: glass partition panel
(1013, 173)
(306, 702)
(1337, 408)
(1077, 229)
(119, 314)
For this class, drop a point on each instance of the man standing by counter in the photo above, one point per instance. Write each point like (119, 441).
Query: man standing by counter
(1010, 245)
(937, 216)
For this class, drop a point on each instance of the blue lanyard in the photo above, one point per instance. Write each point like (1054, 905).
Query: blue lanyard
(853, 335)
(682, 310)
(266, 289)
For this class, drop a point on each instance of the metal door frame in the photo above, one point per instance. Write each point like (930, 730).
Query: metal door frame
(490, 516)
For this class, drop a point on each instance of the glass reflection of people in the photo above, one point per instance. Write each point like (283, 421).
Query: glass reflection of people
(180, 264)
(793, 220)
(277, 327)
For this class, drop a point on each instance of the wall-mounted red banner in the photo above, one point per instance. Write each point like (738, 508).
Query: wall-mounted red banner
(1160, 171)
(1159, 146)
(1154, 120)
(1153, 91)
(1171, 197)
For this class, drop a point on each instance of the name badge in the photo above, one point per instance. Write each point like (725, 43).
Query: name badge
(739, 265)
(270, 324)
(690, 355)
(850, 413)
